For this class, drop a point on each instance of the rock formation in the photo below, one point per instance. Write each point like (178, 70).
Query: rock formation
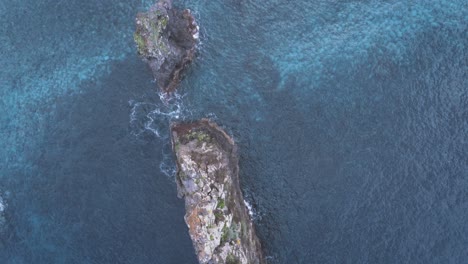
(207, 177)
(166, 39)
(207, 163)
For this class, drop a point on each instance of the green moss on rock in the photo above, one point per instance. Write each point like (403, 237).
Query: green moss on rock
(141, 45)
(200, 136)
(231, 259)
(220, 204)
(219, 215)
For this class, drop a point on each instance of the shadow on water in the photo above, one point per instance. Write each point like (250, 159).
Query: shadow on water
(98, 195)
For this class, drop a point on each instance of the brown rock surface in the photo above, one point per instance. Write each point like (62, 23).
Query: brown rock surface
(166, 39)
(219, 223)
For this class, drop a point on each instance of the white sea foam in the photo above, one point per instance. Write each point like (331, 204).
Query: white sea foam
(167, 168)
(2, 205)
(212, 116)
(249, 208)
(201, 33)
(197, 34)
(155, 117)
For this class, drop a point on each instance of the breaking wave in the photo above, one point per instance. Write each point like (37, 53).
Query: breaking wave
(153, 119)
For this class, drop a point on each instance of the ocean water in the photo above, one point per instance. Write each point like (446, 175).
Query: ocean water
(351, 117)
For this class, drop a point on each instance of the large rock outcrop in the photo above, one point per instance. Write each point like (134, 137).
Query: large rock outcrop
(166, 39)
(219, 223)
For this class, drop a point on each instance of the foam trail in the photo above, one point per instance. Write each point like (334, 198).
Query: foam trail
(249, 208)
(153, 118)
(167, 165)
(3, 206)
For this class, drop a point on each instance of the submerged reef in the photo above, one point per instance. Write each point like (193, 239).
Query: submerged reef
(207, 177)
(166, 39)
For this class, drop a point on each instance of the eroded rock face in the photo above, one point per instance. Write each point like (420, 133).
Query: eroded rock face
(166, 39)
(218, 221)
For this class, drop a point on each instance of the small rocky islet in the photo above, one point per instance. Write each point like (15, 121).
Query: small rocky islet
(166, 40)
(207, 177)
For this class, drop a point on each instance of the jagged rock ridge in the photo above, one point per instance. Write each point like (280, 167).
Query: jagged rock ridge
(218, 220)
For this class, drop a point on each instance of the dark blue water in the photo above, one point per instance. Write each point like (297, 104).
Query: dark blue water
(351, 116)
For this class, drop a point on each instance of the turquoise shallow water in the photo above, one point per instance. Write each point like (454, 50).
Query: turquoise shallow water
(351, 117)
